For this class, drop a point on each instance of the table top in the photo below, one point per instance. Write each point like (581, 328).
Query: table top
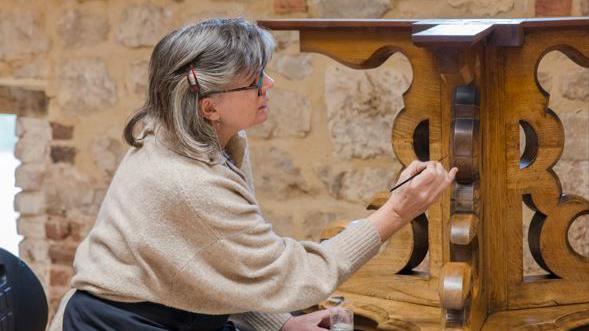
(437, 32)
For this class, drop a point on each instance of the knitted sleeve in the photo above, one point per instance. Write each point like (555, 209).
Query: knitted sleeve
(248, 267)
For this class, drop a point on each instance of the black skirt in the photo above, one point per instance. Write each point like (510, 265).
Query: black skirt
(86, 312)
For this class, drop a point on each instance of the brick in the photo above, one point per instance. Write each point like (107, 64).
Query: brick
(29, 176)
(23, 102)
(30, 203)
(31, 226)
(60, 275)
(62, 253)
(54, 295)
(61, 132)
(550, 8)
(63, 154)
(34, 251)
(290, 6)
(57, 228)
(34, 134)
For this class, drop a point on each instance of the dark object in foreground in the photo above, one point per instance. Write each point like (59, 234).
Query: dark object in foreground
(23, 305)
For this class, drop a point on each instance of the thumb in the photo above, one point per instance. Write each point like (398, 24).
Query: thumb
(324, 316)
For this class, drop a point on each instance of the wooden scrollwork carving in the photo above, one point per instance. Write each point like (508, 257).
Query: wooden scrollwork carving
(555, 211)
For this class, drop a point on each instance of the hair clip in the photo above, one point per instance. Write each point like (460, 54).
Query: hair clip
(192, 80)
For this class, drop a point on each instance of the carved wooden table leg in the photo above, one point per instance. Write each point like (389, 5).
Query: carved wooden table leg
(474, 85)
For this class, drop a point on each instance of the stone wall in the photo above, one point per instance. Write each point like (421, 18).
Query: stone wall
(73, 71)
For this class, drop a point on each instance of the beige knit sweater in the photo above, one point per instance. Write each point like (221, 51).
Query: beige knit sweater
(188, 233)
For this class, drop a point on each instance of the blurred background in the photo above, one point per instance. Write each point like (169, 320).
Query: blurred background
(72, 71)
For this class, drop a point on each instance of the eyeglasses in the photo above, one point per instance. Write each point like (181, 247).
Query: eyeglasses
(256, 85)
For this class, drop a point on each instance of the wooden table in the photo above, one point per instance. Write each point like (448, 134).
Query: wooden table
(474, 85)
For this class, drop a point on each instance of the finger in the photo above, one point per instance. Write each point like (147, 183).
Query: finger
(426, 177)
(452, 174)
(415, 167)
(324, 317)
(446, 182)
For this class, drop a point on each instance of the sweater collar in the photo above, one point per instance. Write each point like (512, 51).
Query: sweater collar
(235, 147)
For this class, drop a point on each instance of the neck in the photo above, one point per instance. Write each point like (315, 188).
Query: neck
(224, 136)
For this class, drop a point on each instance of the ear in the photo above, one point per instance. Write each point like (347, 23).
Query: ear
(208, 110)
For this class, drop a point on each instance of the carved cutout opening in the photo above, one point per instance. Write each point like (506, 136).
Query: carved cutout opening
(563, 76)
(420, 245)
(359, 99)
(578, 235)
(421, 141)
(531, 268)
(528, 144)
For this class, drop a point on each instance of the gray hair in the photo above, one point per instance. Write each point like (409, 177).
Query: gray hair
(221, 50)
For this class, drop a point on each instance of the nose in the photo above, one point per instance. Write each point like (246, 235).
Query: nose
(268, 82)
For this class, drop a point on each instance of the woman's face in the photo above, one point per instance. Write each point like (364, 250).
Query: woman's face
(240, 110)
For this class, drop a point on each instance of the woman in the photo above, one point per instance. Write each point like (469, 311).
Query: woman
(179, 242)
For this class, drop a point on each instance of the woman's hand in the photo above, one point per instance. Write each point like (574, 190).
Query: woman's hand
(318, 320)
(412, 198)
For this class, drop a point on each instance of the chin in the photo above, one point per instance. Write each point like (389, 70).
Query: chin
(262, 116)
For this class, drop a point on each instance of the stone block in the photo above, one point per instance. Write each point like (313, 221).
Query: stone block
(576, 142)
(349, 8)
(34, 251)
(138, 78)
(85, 86)
(29, 176)
(143, 25)
(107, 152)
(285, 39)
(33, 145)
(584, 7)
(282, 223)
(63, 154)
(21, 35)
(30, 150)
(68, 196)
(23, 102)
(57, 228)
(575, 85)
(275, 175)
(578, 235)
(289, 115)
(31, 226)
(483, 8)
(314, 222)
(62, 253)
(573, 176)
(551, 8)
(293, 67)
(61, 132)
(289, 6)
(78, 28)
(60, 276)
(37, 68)
(36, 128)
(80, 223)
(30, 203)
(357, 185)
(362, 105)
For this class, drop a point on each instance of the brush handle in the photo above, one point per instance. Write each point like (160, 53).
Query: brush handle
(410, 178)
(406, 180)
